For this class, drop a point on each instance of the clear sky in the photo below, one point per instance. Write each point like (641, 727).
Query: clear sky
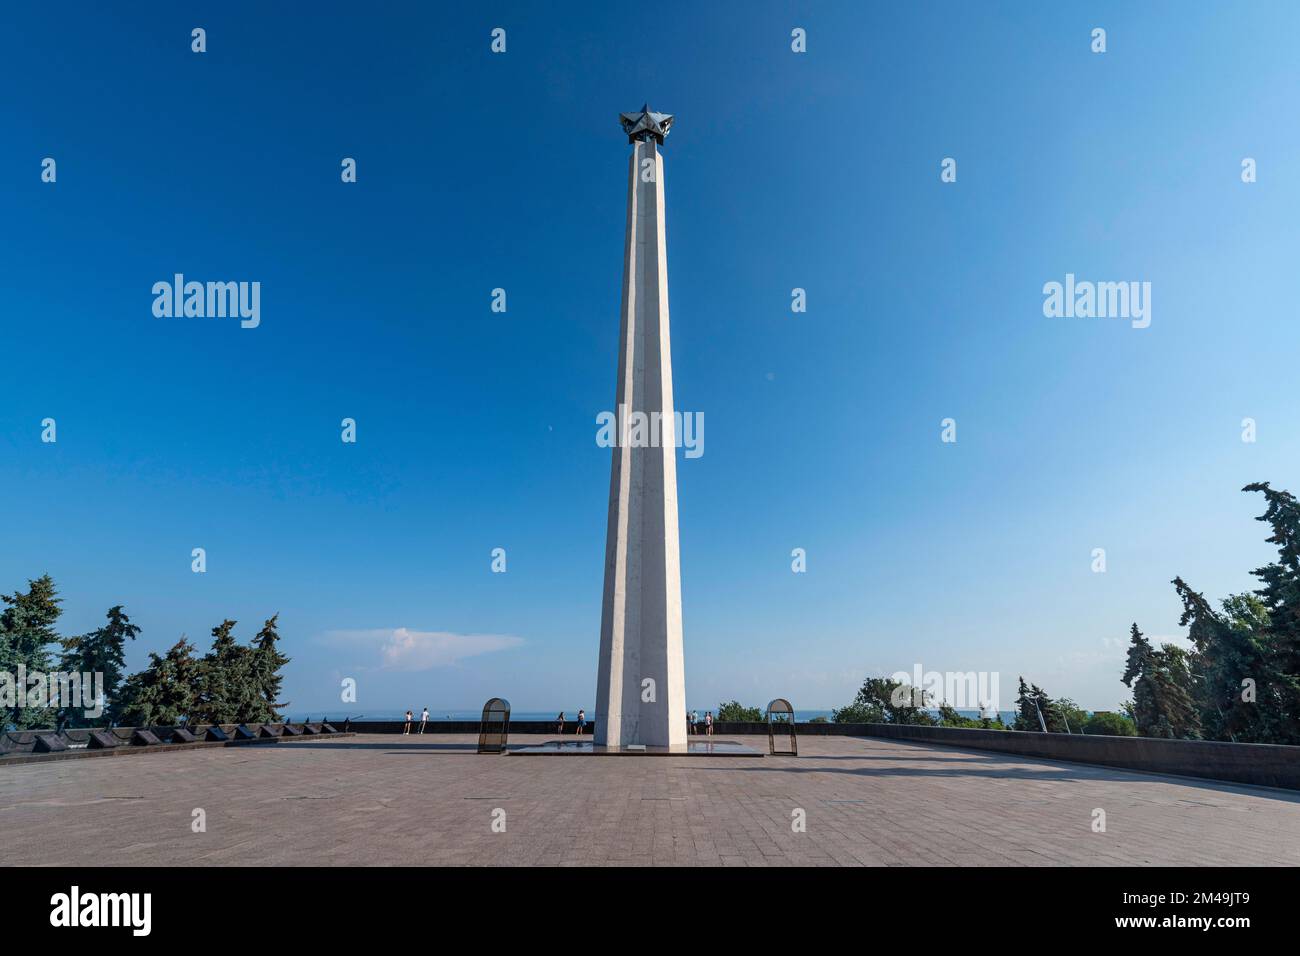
(476, 430)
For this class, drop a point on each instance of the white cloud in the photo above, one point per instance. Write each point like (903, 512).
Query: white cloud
(402, 649)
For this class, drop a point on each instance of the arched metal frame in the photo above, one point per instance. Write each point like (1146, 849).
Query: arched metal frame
(495, 726)
(780, 720)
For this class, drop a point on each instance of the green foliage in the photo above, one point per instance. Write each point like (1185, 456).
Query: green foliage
(881, 700)
(733, 711)
(26, 633)
(1162, 684)
(233, 683)
(1245, 660)
(1110, 724)
(240, 683)
(1073, 717)
(267, 662)
(1241, 680)
(164, 692)
(1031, 701)
(101, 651)
(948, 717)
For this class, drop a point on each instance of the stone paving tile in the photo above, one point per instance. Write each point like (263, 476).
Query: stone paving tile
(410, 800)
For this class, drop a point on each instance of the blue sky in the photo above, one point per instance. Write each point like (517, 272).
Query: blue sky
(477, 430)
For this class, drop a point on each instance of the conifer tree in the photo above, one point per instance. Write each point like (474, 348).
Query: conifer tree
(1031, 700)
(1176, 713)
(267, 679)
(225, 686)
(1162, 682)
(1280, 595)
(101, 651)
(26, 633)
(164, 692)
(1140, 663)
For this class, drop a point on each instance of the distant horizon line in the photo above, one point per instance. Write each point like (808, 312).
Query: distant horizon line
(473, 712)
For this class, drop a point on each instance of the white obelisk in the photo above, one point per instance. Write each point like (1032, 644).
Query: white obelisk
(641, 683)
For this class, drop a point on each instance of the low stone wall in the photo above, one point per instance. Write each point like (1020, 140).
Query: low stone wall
(1267, 765)
(25, 746)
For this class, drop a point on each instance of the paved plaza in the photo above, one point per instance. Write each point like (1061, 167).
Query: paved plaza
(372, 800)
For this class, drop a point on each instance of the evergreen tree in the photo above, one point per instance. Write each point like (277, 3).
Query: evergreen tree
(1174, 680)
(164, 692)
(1031, 700)
(1026, 717)
(226, 688)
(267, 679)
(1162, 682)
(1280, 595)
(1140, 662)
(102, 651)
(26, 633)
(1228, 647)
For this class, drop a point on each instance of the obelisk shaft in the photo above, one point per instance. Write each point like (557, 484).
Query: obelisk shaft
(641, 688)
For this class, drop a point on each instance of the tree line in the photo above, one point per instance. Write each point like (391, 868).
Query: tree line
(1241, 678)
(1239, 681)
(232, 683)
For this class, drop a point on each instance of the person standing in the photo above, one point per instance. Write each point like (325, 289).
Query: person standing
(559, 724)
(424, 719)
(695, 721)
(406, 728)
(582, 720)
(708, 723)
(689, 729)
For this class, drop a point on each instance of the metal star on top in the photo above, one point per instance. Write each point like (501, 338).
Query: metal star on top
(646, 124)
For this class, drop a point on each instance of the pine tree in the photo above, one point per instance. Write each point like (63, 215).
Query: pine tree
(267, 679)
(1051, 711)
(101, 651)
(1227, 647)
(1026, 716)
(163, 694)
(26, 633)
(1162, 682)
(1032, 700)
(1140, 663)
(225, 682)
(1280, 594)
(1177, 716)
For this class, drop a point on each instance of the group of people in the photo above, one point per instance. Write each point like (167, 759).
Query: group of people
(410, 717)
(693, 722)
(581, 722)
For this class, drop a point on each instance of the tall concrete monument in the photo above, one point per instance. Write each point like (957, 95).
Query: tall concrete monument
(641, 684)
